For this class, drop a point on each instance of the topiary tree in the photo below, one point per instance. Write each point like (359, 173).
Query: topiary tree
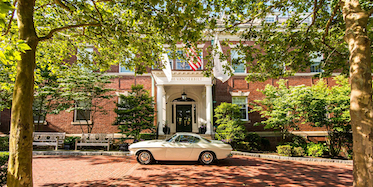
(135, 112)
(230, 127)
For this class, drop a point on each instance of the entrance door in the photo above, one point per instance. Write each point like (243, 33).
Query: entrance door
(184, 118)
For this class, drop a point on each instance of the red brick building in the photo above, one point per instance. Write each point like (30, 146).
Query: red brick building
(203, 94)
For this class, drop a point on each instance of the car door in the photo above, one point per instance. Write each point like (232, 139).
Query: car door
(181, 148)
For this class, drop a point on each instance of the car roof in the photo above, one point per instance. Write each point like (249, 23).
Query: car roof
(186, 133)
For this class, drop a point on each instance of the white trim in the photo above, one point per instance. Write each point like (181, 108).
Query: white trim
(239, 94)
(236, 45)
(245, 68)
(299, 133)
(81, 121)
(246, 107)
(183, 45)
(128, 73)
(125, 72)
(126, 93)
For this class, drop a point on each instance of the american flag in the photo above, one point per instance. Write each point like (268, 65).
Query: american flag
(194, 60)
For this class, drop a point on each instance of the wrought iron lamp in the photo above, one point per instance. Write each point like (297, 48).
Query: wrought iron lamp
(184, 96)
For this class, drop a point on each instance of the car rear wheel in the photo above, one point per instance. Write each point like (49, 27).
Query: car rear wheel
(144, 157)
(207, 158)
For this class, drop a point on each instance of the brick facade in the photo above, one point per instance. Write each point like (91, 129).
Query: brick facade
(221, 93)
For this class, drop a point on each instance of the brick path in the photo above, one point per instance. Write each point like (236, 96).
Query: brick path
(235, 171)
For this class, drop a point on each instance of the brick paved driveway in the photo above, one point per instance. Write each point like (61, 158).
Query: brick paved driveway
(235, 171)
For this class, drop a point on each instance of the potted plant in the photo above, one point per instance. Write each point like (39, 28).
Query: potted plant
(202, 129)
(69, 142)
(166, 129)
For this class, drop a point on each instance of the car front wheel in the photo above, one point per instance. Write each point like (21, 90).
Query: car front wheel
(207, 158)
(144, 157)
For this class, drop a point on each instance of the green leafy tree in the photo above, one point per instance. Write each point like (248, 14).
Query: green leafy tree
(135, 112)
(52, 31)
(279, 107)
(319, 106)
(230, 127)
(46, 93)
(340, 30)
(329, 107)
(85, 92)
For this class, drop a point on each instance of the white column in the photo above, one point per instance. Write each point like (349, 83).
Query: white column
(208, 109)
(160, 120)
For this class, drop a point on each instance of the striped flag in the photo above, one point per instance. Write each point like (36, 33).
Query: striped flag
(193, 58)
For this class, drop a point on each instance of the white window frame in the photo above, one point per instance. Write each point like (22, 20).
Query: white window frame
(41, 122)
(235, 51)
(316, 63)
(127, 71)
(76, 115)
(244, 106)
(89, 49)
(268, 19)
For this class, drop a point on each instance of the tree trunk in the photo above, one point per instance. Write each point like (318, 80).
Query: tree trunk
(361, 91)
(20, 143)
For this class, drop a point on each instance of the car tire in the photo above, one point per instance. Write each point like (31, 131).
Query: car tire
(207, 158)
(144, 157)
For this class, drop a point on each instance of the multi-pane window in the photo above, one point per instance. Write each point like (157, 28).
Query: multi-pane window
(270, 19)
(86, 53)
(315, 66)
(38, 111)
(39, 116)
(83, 113)
(242, 102)
(182, 64)
(238, 65)
(123, 69)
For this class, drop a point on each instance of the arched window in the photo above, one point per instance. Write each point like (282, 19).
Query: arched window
(183, 100)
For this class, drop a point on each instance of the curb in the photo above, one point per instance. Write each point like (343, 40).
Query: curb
(275, 157)
(256, 155)
(81, 153)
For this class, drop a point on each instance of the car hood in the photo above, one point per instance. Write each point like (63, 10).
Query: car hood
(148, 143)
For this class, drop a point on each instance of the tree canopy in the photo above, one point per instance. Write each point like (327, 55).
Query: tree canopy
(53, 31)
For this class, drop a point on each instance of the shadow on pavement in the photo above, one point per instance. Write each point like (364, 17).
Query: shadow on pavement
(236, 171)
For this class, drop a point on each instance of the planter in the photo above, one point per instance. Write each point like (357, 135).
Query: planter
(123, 147)
(68, 146)
(202, 130)
(166, 130)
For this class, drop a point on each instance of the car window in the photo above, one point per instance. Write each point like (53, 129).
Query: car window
(187, 139)
(171, 138)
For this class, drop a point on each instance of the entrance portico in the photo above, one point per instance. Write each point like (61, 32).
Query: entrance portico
(183, 114)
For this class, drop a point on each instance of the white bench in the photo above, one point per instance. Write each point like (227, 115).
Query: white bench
(49, 139)
(95, 140)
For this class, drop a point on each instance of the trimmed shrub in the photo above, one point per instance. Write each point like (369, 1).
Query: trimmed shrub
(257, 143)
(284, 150)
(243, 146)
(298, 151)
(4, 143)
(316, 150)
(4, 156)
(147, 136)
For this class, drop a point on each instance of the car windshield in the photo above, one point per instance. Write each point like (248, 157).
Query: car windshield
(170, 138)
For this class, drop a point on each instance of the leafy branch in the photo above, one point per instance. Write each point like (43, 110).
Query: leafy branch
(51, 33)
